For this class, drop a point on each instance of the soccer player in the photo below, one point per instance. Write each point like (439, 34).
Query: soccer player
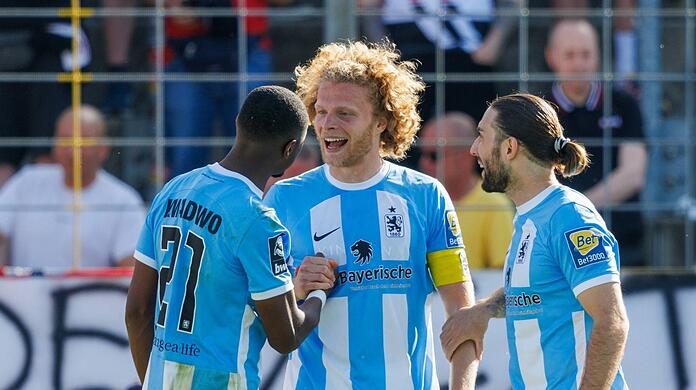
(566, 321)
(212, 273)
(393, 231)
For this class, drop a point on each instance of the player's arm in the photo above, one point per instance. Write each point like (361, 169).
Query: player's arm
(471, 323)
(464, 361)
(604, 303)
(140, 313)
(625, 180)
(450, 274)
(286, 324)
(128, 261)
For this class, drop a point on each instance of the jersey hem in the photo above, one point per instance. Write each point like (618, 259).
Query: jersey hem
(602, 279)
(145, 259)
(274, 292)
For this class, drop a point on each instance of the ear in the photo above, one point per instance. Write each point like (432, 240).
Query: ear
(510, 148)
(382, 123)
(290, 148)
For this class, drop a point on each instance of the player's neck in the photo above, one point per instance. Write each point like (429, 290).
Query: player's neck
(358, 173)
(522, 189)
(248, 166)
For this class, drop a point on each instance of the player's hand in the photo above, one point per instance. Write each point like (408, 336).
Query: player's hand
(465, 324)
(315, 273)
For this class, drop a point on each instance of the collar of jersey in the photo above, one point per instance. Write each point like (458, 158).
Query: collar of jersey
(219, 169)
(568, 106)
(381, 174)
(534, 202)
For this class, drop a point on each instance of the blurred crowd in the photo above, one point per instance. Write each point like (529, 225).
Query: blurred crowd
(459, 45)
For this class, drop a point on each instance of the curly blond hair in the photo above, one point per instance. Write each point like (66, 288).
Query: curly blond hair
(393, 85)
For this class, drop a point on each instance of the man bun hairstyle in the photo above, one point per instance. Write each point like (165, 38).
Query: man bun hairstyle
(272, 111)
(534, 122)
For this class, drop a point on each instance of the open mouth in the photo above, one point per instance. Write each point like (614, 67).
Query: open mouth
(334, 143)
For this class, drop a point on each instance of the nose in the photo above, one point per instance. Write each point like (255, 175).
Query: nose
(474, 147)
(328, 121)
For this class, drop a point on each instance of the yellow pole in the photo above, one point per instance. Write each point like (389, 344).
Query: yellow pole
(76, 136)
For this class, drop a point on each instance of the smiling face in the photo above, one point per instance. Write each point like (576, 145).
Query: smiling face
(486, 148)
(348, 131)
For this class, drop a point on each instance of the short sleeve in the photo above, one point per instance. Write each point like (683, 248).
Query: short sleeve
(587, 252)
(444, 231)
(145, 249)
(8, 202)
(446, 257)
(263, 254)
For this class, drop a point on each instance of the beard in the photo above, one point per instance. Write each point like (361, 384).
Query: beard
(496, 176)
(356, 153)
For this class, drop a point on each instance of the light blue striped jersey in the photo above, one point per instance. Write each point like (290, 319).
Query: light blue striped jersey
(560, 248)
(375, 330)
(217, 248)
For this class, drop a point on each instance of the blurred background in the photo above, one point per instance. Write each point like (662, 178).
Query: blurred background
(156, 85)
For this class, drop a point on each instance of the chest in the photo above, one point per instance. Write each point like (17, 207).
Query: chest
(531, 263)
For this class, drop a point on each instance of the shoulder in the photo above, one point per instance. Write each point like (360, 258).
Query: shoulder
(38, 173)
(574, 209)
(413, 180)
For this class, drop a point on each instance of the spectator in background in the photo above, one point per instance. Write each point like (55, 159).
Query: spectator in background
(208, 45)
(36, 215)
(486, 218)
(470, 37)
(38, 44)
(309, 158)
(118, 31)
(625, 41)
(572, 51)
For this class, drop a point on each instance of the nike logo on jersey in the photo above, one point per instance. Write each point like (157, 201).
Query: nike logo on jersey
(323, 236)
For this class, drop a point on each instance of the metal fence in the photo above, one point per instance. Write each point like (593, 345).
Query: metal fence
(665, 76)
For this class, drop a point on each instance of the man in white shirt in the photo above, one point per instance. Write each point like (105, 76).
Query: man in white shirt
(37, 212)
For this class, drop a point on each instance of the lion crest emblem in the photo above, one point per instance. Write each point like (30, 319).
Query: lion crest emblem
(362, 251)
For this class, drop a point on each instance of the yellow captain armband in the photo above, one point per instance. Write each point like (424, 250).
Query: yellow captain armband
(448, 266)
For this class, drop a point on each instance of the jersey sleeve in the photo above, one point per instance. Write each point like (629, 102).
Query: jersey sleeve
(444, 246)
(145, 249)
(587, 253)
(263, 254)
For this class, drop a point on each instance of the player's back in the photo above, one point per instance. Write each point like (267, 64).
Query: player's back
(207, 335)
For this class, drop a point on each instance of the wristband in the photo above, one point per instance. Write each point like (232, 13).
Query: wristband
(319, 294)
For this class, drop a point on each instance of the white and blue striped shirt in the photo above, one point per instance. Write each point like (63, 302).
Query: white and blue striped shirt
(560, 248)
(375, 330)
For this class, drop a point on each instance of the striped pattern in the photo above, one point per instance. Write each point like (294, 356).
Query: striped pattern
(530, 356)
(397, 364)
(334, 336)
